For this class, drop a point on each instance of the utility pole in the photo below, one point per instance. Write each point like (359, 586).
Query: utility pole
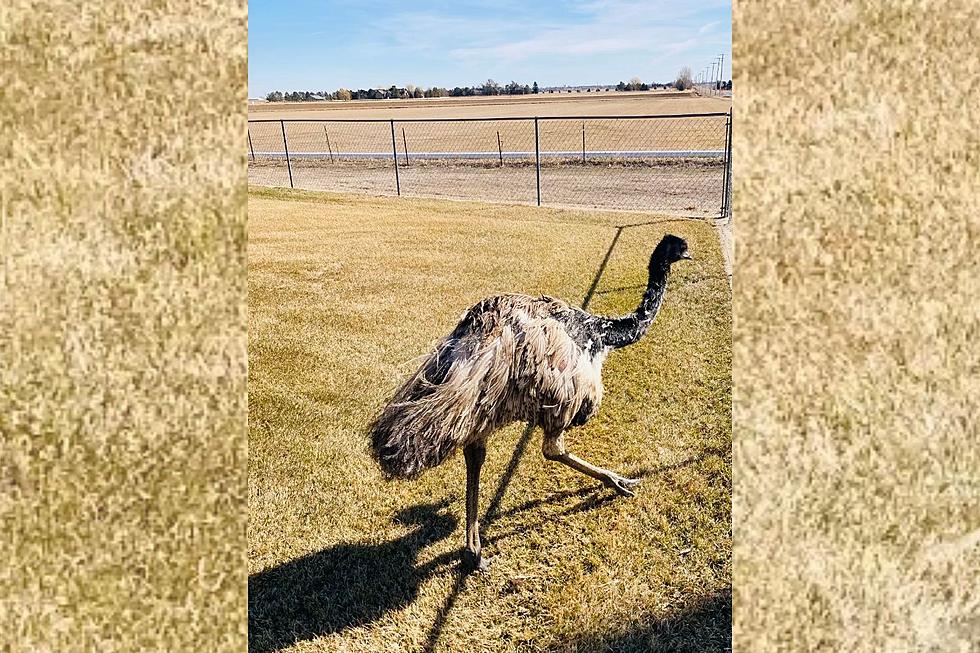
(722, 76)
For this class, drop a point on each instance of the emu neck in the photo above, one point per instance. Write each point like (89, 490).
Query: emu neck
(630, 328)
(653, 297)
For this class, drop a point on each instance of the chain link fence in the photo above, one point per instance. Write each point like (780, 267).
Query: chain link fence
(673, 163)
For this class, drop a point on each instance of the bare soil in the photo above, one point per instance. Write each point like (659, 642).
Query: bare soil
(681, 186)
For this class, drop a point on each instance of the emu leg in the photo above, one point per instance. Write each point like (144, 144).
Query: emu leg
(554, 449)
(474, 454)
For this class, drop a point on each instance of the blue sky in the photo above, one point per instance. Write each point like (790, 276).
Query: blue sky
(305, 45)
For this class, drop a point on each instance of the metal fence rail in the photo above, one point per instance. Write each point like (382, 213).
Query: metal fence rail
(671, 163)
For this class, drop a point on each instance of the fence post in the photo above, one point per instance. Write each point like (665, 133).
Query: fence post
(329, 149)
(583, 141)
(726, 180)
(394, 153)
(405, 143)
(289, 167)
(500, 149)
(537, 160)
(250, 144)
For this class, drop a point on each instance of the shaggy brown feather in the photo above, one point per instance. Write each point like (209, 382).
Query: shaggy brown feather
(508, 359)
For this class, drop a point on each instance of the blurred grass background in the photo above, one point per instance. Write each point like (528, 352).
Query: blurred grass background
(857, 465)
(122, 335)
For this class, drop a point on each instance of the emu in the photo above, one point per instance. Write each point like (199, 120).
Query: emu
(512, 358)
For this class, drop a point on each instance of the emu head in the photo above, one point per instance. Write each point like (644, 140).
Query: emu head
(670, 250)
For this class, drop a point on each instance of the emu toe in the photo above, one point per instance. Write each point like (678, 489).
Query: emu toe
(474, 562)
(622, 485)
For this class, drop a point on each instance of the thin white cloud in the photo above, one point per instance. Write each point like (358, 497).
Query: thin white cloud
(558, 42)
(432, 31)
(654, 28)
(609, 26)
(708, 27)
(678, 46)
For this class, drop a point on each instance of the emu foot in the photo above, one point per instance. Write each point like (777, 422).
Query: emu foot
(621, 484)
(476, 561)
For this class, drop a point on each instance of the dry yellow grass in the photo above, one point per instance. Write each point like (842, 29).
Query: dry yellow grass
(857, 476)
(122, 344)
(344, 292)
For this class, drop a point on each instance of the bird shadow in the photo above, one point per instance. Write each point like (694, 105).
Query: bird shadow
(350, 585)
(345, 586)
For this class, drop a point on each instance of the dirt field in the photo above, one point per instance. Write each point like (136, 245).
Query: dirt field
(689, 188)
(344, 292)
(505, 136)
(574, 104)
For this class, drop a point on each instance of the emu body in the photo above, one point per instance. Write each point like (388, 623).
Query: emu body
(512, 358)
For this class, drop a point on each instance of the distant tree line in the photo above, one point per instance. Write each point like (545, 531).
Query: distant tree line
(683, 82)
(408, 91)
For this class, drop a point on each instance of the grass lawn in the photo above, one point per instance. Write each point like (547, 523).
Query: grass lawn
(344, 292)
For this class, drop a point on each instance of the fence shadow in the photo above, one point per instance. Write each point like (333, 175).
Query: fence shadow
(591, 497)
(602, 268)
(344, 586)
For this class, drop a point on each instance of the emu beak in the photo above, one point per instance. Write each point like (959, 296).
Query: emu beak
(687, 255)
